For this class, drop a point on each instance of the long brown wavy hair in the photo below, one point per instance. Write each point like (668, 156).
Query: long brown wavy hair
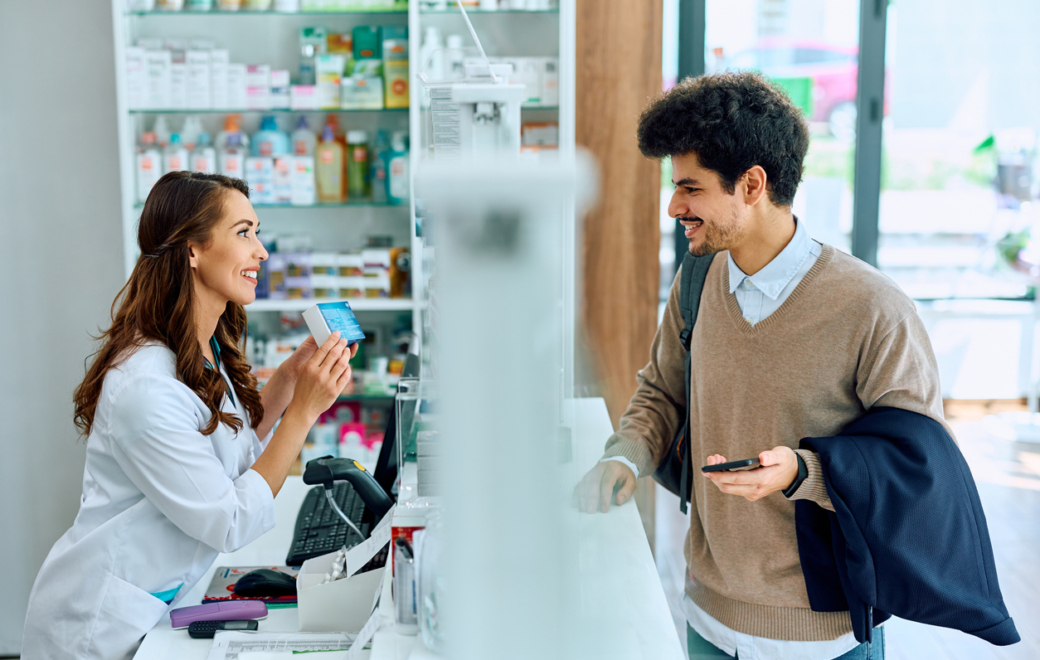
(158, 302)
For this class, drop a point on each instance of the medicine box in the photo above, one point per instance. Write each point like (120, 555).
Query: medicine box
(361, 93)
(279, 95)
(325, 318)
(550, 81)
(325, 287)
(276, 265)
(329, 71)
(219, 60)
(157, 64)
(258, 98)
(304, 97)
(352, 287)
(178, 79)
(136, 78)
(258, 75)
(366, 41)
(351, 265)
(236, 75)
(395, 84)
(395, 66)
(199, 80)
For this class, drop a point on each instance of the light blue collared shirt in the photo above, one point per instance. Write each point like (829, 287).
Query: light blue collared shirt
(761, 294)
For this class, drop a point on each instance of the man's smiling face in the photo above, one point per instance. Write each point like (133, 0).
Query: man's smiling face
(713, 218)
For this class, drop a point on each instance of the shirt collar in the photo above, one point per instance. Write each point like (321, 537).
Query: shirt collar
(779, 272)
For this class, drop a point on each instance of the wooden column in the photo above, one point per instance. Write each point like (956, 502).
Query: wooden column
(618, 71)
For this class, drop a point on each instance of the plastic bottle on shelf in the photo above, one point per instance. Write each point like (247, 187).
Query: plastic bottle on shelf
(256, 5)
(377, 169)
(162, 131)
(233, 156)
(269, 141)
(431, 54)
(397, 180)
(357, 164)
(175, 156)
(454, 58)
(149, 165)
(287, 6)
(329, 167)
(332, 121)
(203, 157)
(190, 131)
(199, 5)
(229, 5)
(169, 5)
(231, 125)
(303, 138)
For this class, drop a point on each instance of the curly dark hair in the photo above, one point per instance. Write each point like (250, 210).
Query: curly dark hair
(732, 121)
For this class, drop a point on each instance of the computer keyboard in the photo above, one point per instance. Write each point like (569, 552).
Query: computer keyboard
(320, 530)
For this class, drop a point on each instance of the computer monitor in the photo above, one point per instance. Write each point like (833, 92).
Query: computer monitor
(386, 465)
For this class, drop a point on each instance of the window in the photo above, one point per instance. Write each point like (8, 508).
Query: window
(790, 41)
(959, 145)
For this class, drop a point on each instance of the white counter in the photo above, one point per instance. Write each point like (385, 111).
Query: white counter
(621, 591)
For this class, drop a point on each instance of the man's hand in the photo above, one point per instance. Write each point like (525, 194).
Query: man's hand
(596, 488)
(779, 470)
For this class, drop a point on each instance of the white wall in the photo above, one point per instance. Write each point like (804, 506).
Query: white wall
(60, 266)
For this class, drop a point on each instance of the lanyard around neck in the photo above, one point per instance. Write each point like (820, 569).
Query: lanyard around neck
(216, 356)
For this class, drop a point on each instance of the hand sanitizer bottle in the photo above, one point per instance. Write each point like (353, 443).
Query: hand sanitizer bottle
(149, 166)
(175, 156)
(232, 157)
(203, 157)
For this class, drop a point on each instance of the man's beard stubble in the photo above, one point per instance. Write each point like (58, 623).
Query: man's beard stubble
(716, 238)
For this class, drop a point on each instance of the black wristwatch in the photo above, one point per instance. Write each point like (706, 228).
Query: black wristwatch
(803, 473)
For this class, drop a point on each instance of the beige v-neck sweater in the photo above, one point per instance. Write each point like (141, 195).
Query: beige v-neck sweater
(846, 340)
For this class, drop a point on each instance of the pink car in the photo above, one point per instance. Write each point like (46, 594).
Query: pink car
(833, 71)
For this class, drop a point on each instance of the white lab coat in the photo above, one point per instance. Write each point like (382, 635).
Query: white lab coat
(160, 501)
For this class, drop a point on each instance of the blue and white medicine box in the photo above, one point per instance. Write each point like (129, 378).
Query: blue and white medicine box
(325, 318)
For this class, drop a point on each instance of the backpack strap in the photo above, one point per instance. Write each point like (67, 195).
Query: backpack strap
(694, 273)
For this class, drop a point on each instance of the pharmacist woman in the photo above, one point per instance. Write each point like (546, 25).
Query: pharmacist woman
(181, 462)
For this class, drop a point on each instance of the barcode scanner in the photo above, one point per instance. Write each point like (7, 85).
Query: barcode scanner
(326, 470)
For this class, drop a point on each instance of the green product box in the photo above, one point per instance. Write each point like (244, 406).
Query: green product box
(368, 42)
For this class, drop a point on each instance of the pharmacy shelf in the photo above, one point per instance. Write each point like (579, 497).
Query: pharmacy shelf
(356, 304)
(240, 111)
(455, 10)
(331, 205)
(402, 8)
(365, 397)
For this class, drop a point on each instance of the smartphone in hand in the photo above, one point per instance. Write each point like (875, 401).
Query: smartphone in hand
(733, 466)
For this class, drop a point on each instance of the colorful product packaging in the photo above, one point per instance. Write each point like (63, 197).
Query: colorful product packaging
(395, 67)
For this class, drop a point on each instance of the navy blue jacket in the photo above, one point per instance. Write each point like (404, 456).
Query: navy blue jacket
(907, 537)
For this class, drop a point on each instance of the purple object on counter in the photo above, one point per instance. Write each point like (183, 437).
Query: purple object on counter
(235, 610)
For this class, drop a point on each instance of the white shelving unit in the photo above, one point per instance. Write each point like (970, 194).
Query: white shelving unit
(503, 33)
(272, 38)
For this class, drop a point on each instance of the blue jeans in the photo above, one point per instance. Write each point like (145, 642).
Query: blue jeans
(701, 649)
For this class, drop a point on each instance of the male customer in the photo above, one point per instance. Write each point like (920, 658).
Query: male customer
(793, 339)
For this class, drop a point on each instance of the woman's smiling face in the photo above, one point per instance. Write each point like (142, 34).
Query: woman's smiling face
(225, 268)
